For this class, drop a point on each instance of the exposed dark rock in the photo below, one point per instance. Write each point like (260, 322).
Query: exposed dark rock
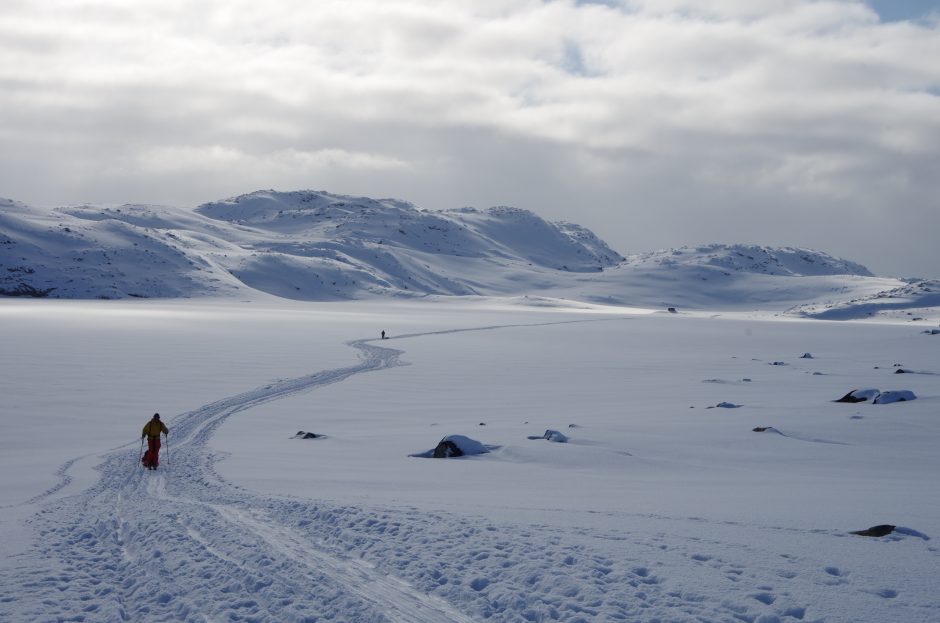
(761, 429)
(24, 289)
(305, 435)
(880, 530)
(446, 449)
(859, 395)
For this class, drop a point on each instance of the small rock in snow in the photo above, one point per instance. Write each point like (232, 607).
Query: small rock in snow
(880, 530)
(305, 435)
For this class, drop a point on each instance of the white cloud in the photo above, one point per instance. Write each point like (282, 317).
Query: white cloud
(658, 103)
(215, 158)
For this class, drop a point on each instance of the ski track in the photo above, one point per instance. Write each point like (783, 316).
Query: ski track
(181, 544)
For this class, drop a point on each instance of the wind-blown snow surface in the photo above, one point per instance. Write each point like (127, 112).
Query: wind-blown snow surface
(657, 508)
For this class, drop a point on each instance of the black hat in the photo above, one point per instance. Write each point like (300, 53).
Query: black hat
(156, 416)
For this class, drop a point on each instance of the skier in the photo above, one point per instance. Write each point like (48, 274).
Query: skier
(152, 430)
(383, 334)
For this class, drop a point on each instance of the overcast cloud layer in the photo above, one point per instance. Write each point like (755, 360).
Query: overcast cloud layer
(655, 123)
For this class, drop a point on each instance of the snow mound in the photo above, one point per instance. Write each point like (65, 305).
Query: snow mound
(878, 397)
(888, 397)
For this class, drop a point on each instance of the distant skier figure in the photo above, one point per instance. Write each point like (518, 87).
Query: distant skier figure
(383, 334)
(152, 430)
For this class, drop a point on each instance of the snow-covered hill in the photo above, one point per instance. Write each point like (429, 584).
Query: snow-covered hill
(916, 300)
(301, 245)
(727, 259)
(314, 245)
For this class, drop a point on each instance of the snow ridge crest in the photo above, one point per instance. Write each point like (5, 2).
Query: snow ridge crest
(732, 258)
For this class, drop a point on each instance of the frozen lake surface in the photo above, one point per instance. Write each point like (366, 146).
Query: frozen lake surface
(659, 507)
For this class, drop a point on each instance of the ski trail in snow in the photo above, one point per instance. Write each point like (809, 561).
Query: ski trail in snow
(400, 601)
(140, 546)
(396, 598)
(182, 544)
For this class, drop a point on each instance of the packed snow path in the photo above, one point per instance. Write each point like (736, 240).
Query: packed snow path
(181, 544)
(137, 548)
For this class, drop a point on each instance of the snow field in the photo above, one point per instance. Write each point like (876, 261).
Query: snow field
(654, 511)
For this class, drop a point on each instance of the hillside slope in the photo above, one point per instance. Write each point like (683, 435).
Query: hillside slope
(319, 246)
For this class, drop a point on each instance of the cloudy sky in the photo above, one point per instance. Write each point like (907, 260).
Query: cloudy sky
(656, 123)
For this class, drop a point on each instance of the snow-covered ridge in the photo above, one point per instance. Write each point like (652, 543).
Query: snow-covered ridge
(781, 261)
(916, 299)
(315, 245)
(500, 232)
(304, 245)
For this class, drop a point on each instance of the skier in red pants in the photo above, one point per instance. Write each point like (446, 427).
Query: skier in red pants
(152, 430)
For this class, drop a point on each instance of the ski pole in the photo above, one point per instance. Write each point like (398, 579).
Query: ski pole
(140, 457)
(167, 439)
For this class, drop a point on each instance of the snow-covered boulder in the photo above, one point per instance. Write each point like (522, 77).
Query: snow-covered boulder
(859, 395)
(552, 435)
(453, 446)
(888, 397)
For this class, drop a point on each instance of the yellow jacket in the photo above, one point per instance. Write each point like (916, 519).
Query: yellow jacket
(153, 428)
